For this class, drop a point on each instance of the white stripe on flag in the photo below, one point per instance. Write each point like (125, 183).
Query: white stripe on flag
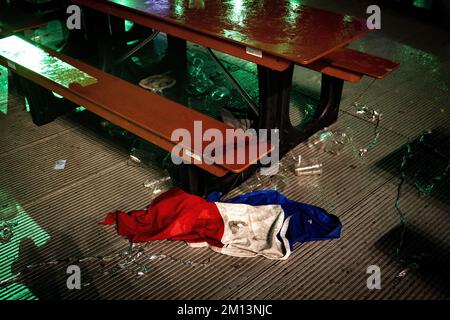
(250, 231)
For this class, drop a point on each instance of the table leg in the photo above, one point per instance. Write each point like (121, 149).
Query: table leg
(274, 97)
(98, 31)
(44, 106)
(79, 46)
(326, 113)
(274, 93)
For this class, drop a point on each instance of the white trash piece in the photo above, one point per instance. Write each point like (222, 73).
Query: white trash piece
(60, 164)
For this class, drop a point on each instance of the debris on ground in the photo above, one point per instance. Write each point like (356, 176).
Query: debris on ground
(370, 115)
(7, 230)
(60, 164)
(424, 188)
(157, 83)
(308, 167)
(135, 259)
(331, 141)
(158, 186)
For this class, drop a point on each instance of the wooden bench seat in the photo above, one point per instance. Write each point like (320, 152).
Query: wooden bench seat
(325, 67)
(146, 114)
(351, 65)
(360, 62)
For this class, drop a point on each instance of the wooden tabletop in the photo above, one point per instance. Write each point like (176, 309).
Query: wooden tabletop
(284, 29)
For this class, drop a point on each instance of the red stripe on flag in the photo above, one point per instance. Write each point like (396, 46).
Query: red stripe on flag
(174, 215)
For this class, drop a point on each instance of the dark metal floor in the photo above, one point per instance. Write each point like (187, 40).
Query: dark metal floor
(58, 210)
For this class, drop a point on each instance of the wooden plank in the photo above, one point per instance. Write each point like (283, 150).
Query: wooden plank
(325, 67)
(360, 62)
(148, 115)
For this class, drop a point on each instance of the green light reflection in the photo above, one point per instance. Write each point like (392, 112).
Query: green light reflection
(424, 4)
(11, 210)
(128, 25)
(37, 60)
(292, 14)
(238, 13)
(408, 54)
(27, 105)
(348, 18)
(179, 8)
(132, 42)
(3, 90)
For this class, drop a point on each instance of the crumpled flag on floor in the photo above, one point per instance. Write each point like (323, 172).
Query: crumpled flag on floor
(263, 223)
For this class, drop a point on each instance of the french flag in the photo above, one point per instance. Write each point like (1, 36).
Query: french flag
(261, 223)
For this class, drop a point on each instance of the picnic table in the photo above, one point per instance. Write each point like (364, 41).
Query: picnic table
(276, 35)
